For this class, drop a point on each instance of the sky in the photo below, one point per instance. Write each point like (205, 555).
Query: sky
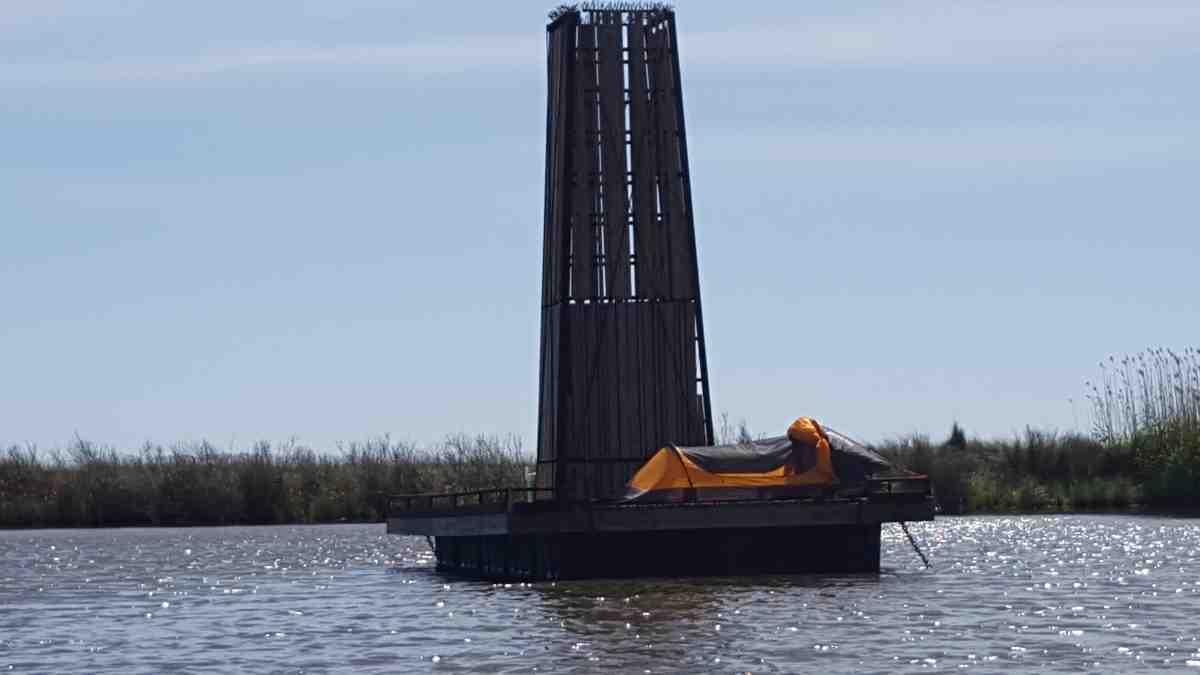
(321, 221)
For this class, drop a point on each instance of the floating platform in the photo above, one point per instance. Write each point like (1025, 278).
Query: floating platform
(513, 535)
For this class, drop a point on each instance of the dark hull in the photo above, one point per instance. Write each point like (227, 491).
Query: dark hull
(672, 553)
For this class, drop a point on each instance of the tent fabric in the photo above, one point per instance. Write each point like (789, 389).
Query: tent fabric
(853, 462)
(844, 444)
(801, 462)
(741, 458)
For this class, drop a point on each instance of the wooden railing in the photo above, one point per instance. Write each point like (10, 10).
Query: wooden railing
(498, 499)
(899, 486)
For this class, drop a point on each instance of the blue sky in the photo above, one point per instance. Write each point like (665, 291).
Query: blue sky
(320, 220)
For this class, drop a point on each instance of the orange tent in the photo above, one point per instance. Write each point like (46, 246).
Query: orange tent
(796, 464)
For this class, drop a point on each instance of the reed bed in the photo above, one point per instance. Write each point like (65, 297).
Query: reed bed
(1033, 471)
(198, 484)
(1150, 402)
(1150, 393)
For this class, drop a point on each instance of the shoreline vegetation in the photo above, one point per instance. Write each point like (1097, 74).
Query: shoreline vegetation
(1143, 452)
(89, 485)
(1142, 455)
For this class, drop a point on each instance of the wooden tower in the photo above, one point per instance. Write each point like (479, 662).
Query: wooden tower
(623, 366)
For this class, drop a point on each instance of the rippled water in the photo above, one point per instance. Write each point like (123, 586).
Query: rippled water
(1060, 593)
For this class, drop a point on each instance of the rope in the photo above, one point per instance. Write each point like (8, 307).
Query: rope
(904, 526)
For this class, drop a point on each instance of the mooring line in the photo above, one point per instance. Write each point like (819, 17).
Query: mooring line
(904, 526)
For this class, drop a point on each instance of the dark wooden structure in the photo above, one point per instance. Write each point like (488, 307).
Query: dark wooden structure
(623, 364)
(623, 367)
(515, 534)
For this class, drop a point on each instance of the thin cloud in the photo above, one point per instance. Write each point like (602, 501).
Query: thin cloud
(991, 147)
(938, 35)
(446, 56)
(961, 35)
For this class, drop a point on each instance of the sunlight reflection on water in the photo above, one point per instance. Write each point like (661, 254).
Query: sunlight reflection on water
(1069, 593)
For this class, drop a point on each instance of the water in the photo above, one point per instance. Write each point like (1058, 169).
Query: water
(1055, 593)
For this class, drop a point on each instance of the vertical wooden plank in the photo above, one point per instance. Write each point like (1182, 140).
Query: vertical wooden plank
(664, 367)
(600, 397)
(647, 402)
(631, 412)
(630, 377)
(684, 387)
(660, 383)
(568, 447)
(562, 46)
(575, 446)
(692, 272)
(612, 124)
(672, 236)
(605, 400)
(544, 376)
(565, 402)
(584, 167)
(692, 420)
(641, 127)
(551, 183)
(683, 250)
(657, 384)
(547, 405)
(667, 390)
(553, 78)
(554, 390)
(658, 194)
(602, 409)
(650, 419)
(672, 372)
(618, 407)
(585, 425)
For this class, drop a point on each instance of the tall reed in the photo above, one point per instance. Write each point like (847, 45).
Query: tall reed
(1145, 392)
(1150, 401)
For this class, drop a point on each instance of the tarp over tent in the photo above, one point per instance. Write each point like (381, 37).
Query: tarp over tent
(809, 459)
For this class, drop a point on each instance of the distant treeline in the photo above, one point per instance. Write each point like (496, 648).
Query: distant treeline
(88, 485)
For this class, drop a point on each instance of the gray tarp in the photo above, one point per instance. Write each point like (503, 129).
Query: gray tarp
(852, 461)
(759, 456)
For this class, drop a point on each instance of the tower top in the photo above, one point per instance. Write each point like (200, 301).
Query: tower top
(609, 6)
